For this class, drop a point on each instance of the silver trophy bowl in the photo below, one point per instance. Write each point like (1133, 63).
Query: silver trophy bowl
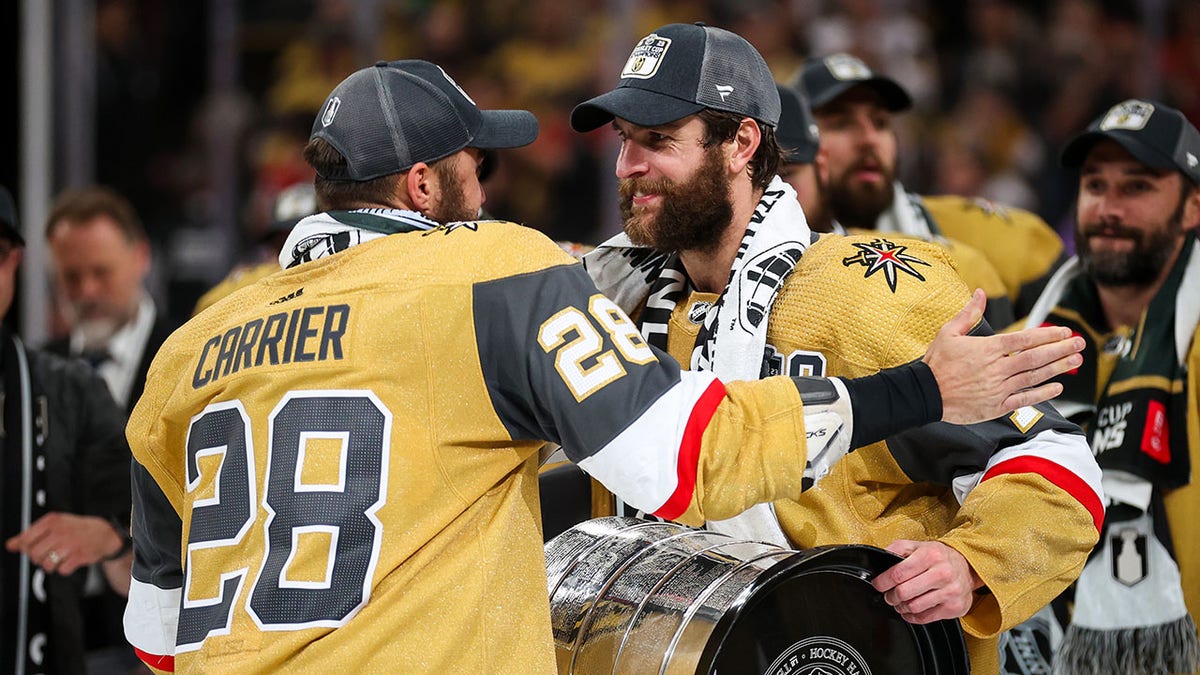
(635, 596)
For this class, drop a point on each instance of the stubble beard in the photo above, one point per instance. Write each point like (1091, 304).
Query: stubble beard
(1137, 268)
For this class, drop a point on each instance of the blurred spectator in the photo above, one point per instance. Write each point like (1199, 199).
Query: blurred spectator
(101, 258)
(1180, 59)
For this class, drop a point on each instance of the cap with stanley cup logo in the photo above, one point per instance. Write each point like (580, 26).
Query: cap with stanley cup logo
(681, 69)
(823, 80)
(1157, 135)
(386, 118)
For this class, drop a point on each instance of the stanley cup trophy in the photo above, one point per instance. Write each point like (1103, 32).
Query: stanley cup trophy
(630, 596)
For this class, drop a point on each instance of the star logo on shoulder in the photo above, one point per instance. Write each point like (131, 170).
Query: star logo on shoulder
(991, 208)
(882, 254)
(447, 228)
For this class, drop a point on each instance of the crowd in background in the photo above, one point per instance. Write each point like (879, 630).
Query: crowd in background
(999, 85)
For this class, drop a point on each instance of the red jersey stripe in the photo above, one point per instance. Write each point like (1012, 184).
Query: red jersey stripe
(156, 661)
(1057, 474)
(689, 451)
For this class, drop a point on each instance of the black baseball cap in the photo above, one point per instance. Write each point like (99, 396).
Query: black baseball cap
(1157, 135)
(388, 117)
(823, 80)
(10, 227)
(681, 69)
(797, 132)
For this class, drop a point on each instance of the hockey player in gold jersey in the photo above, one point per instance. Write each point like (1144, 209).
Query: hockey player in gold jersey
(854, 108)
(804, 168)
(336, 466)
(722, 271)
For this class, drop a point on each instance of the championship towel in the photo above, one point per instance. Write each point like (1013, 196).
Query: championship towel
(733, 337)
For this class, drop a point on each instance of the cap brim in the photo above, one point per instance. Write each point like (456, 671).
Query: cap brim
(640, 106)
(895, 99)
(505, 129)
(1078, 148)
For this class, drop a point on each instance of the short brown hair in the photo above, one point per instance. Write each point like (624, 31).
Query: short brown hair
(721, 126)
(83, 204)
(344, 194)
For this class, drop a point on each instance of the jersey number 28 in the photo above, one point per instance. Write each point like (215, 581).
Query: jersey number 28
(340, 512)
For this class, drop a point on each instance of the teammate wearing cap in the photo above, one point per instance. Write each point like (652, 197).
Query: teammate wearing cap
(345, 478)
(1133, 292)
(803, 167)
(799, 140)
(720, 267)
(854, 107)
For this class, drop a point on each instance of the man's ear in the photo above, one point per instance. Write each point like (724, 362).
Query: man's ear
(1191, 209)
(745, 144)
(821, 164)
(421, 187)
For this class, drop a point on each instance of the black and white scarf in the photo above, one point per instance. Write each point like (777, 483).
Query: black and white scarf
(1129, 613)
(26, 647)
(733, 337)
(327, 233)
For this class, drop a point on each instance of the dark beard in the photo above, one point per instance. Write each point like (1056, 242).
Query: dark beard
(452, 207)
(859, 206)
(1139, 267)
(694, 215)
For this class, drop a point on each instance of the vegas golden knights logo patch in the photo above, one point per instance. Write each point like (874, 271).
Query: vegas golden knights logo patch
(885, 255)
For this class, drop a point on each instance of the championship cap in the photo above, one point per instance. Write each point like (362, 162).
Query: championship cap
(9, 225)
(797, 132)
(823, 80)
(1157, 135)
(388, 117)
(681, 69)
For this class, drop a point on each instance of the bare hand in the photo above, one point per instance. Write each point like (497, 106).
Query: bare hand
(982, 378)
(932, 583)
(64, 542)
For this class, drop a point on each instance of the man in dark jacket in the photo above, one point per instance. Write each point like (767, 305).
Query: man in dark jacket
(64, 490)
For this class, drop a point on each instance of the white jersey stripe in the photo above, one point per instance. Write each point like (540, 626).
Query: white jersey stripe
(626, 466)
(1068, 451)
(151, 618)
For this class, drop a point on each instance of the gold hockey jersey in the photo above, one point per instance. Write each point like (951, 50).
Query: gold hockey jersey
(1015, 496)
(974, 269)
(336, 467)
(1019, 244)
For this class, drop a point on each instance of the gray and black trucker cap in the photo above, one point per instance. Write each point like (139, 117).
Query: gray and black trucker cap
(823, 80)
(680, 69)
(797, 132)
(388, 117)
(1157, 135)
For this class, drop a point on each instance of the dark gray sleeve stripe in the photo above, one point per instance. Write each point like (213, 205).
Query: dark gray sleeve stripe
(939, 452)
(157, 532)
(528, 394)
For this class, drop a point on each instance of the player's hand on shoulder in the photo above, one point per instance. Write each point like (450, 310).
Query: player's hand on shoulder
(984, 377)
